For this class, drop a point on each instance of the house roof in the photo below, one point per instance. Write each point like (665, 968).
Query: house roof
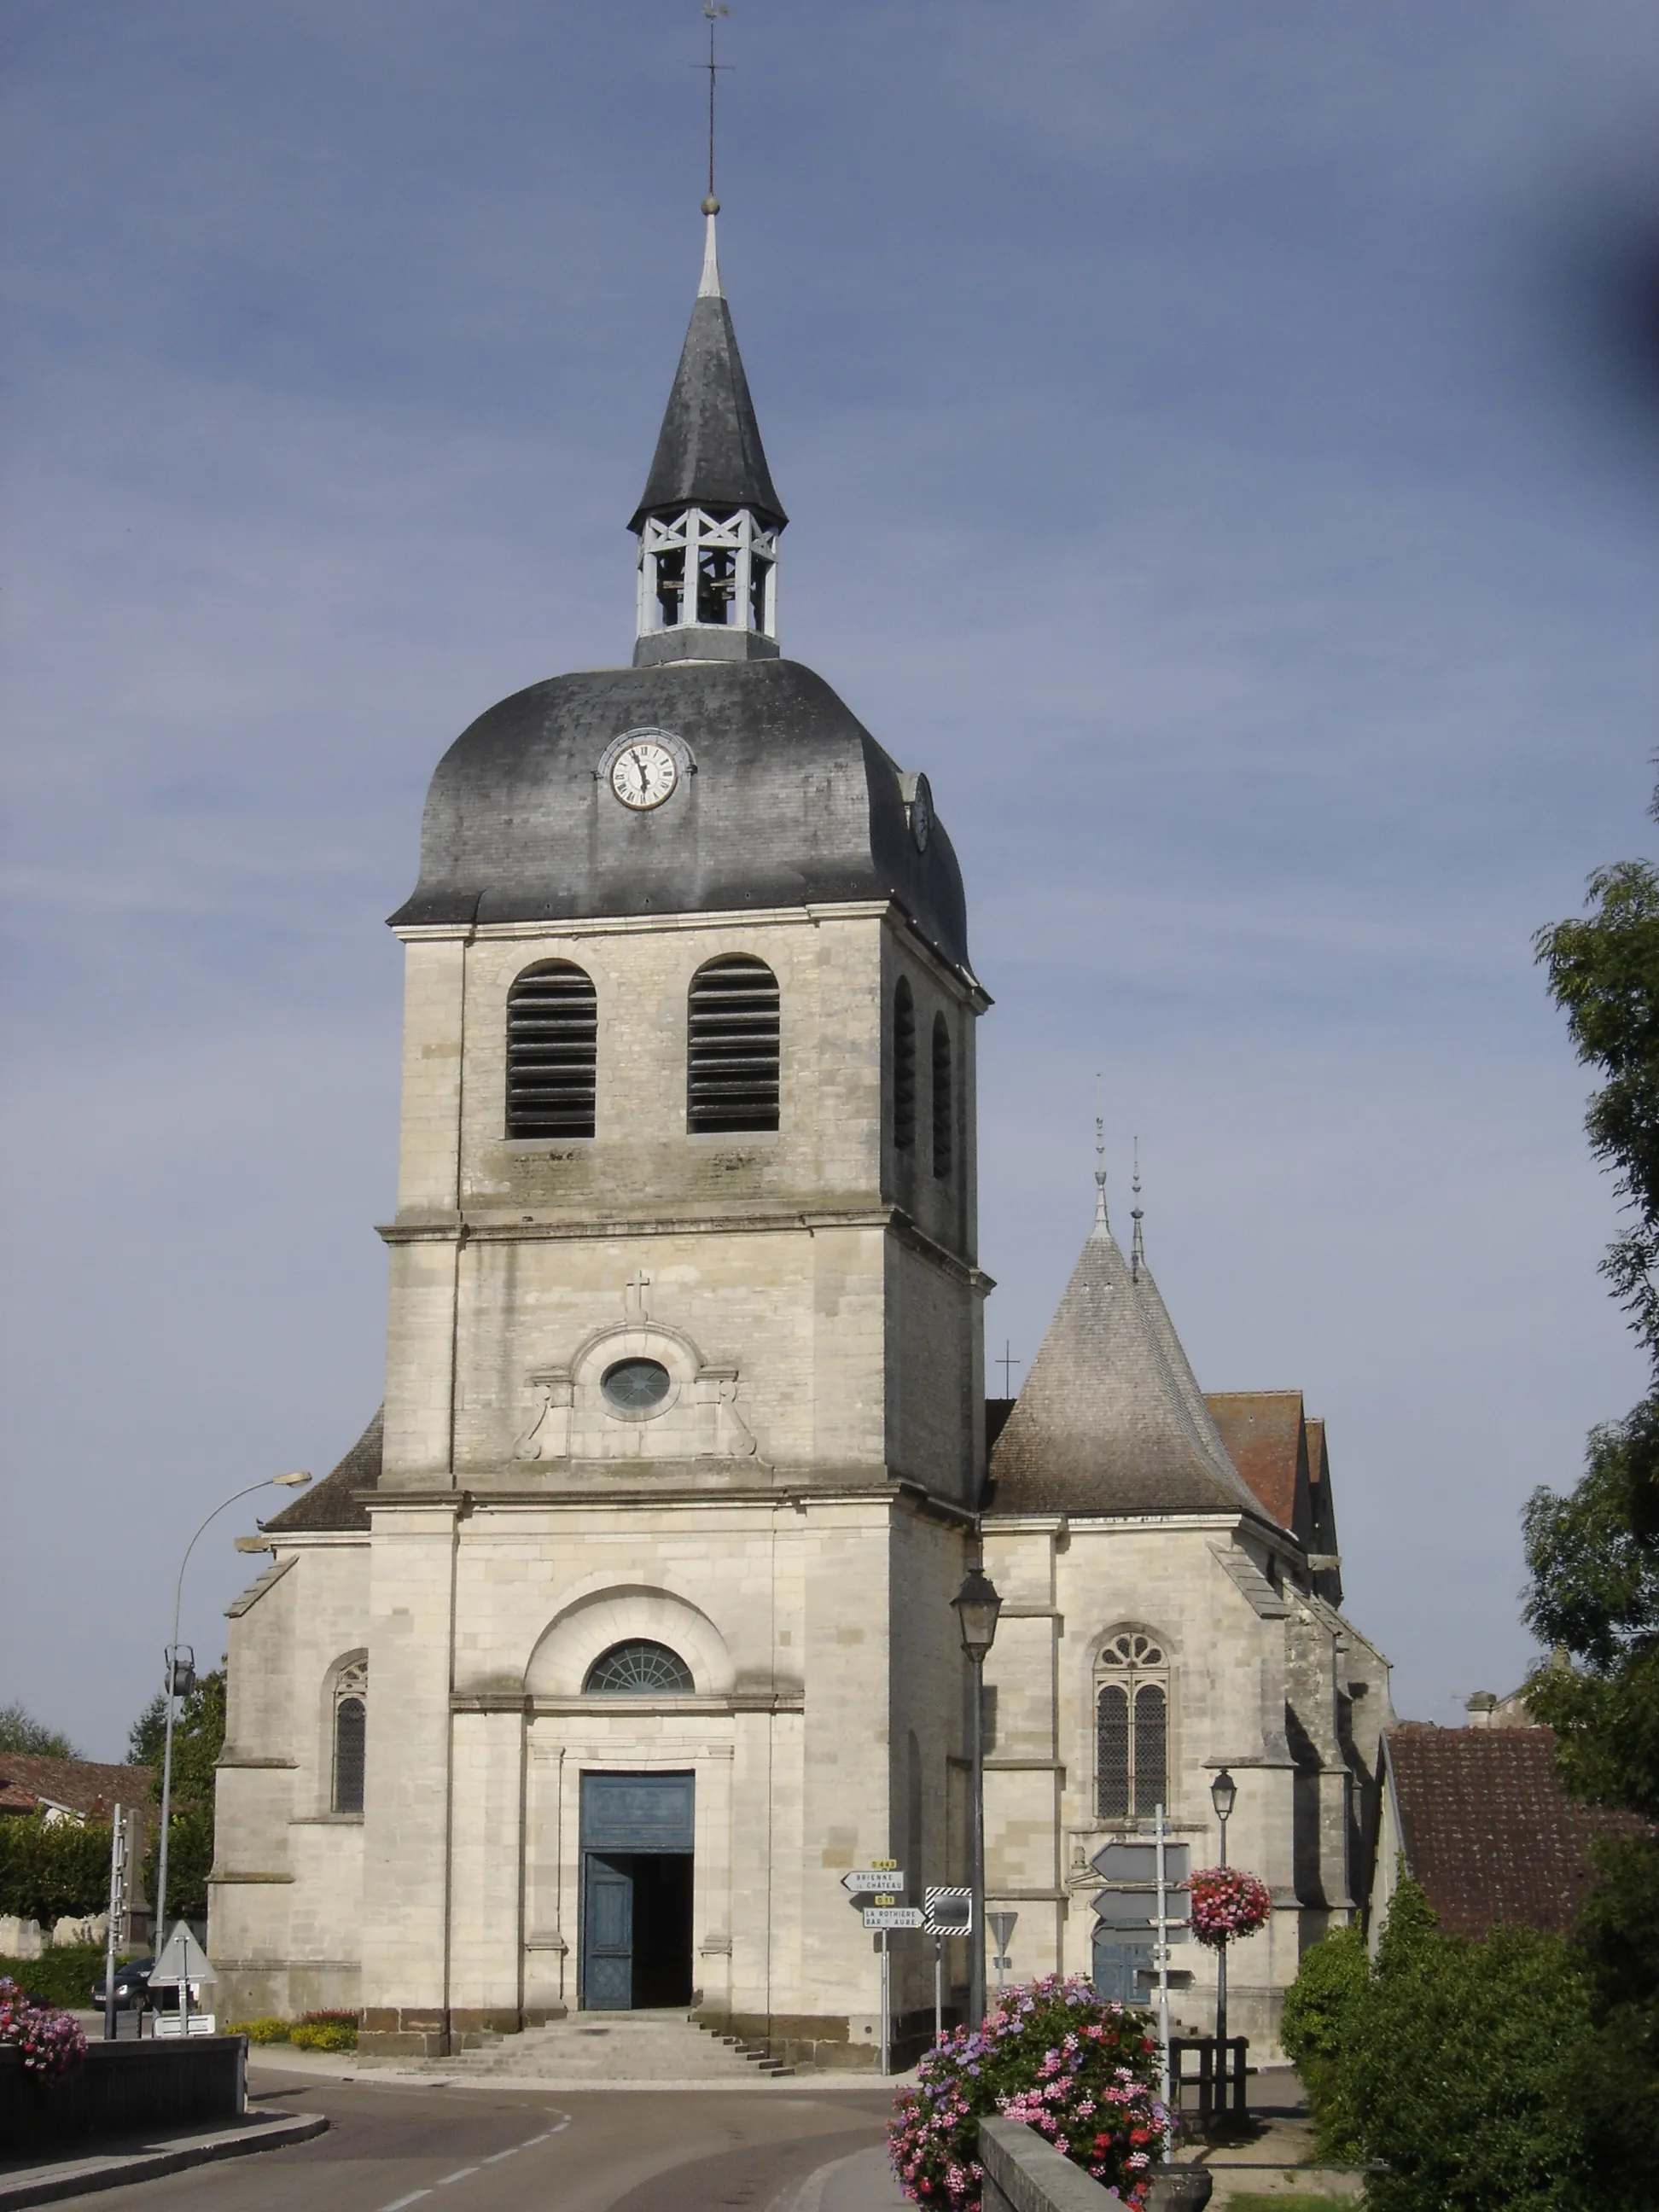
(709, 451)
(1265, 1434)
(29, 1780)
(1111, 1421)
(1488, 1829)
(333, 1503)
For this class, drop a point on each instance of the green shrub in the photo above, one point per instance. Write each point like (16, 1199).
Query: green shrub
(1316, 2029)
(258, 2031)
(324, 2031)
(1457, 2067)
(51, 1868)
(65, 1974)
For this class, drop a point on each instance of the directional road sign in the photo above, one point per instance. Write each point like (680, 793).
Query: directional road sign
(949, 1911)
(182, 1958)
(868, 1881)
(894, 1915)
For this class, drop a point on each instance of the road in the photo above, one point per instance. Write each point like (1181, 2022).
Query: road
(394, 2145)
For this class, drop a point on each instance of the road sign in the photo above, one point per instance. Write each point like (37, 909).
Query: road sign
(182, 1959)
(949, 1911)
(1136, 1863)
(869, 1881)
(894, 1915)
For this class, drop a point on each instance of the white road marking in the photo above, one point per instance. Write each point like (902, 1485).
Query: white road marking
(413, 2198)
(460, 2174)
(500, 2154)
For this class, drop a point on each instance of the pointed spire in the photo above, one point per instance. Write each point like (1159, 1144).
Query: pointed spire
(1137, 1248)
(1111, 1419)
(709, 452)
(709, 288)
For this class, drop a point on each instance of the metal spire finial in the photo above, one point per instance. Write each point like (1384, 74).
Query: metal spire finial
(1136, 1249)
(713, 9)
(1100, 1222)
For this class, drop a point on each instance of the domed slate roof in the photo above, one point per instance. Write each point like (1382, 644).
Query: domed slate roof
(791, 802)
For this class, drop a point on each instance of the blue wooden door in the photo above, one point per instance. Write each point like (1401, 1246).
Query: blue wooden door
(608, 1932)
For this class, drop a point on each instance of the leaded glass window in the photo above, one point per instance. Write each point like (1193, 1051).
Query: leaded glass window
(1132, 1728)
(639, 1669)
(350, 1734)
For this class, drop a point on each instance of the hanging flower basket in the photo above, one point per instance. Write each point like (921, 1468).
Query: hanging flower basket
(1228, 1903)
(50, 2041)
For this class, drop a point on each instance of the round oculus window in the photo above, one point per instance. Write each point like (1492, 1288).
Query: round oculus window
(635, 1386)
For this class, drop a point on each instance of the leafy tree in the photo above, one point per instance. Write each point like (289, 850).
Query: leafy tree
(148, 1733)
(50, 1868)
(20, 1731)
(199, 1737)
(1317, 2027)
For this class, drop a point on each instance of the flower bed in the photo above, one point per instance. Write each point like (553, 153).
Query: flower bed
(1052, 2055)
(50, 2041)
(1228, 1903)
(313, 2030)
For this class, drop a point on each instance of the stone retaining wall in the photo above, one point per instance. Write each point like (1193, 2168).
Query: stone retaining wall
(121, 2088)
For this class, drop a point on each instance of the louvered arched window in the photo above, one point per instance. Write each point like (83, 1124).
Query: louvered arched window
(732, 1046)
(552, 1049)
(944, 1119)
(1132, 1728)
(904, 1066)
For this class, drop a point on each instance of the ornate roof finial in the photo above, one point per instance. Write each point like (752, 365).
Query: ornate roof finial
(713, 9)
(1100, 1222)
(1136, 1249)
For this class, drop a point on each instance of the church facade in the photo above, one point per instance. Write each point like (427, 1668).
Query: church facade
(625, 1629)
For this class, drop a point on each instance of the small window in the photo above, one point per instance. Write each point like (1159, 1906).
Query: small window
(635, 1386)
(944, 1102)
(351, 1729)
(732, 1046)
(639, 1669)
(1132, 1728)
(552, 1048)
(904, 1066)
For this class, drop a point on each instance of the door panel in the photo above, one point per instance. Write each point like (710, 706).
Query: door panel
(607, 1935)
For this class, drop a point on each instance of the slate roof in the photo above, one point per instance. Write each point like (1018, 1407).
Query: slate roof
(791, 803)
(1490, 1833)
(29, 1779)
(330, 1503)
(1265, 1435)
(1111, 1419)
(709, 451)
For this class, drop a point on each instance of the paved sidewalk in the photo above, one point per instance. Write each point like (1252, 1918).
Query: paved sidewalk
(141, 2158)
(1276, 2157)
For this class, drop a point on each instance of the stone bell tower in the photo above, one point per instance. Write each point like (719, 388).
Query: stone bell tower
(683, 1420)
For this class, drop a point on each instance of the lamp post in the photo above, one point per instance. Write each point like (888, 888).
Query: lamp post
(977, 1606)
(1223, 1795)
(179, 1679)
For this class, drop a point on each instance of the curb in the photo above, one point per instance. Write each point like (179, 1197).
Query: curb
(48, 2185)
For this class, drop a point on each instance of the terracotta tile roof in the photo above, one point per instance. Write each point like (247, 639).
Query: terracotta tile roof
(27, 1780)
(1490, 1833)
(1264, 1433)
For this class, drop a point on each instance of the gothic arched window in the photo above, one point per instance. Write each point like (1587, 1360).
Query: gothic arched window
(350, 1730)
(1132, 1727)
(944, 1121)
(639, 1669)
(904, 1066)
(552, 1051)
(732, 1044)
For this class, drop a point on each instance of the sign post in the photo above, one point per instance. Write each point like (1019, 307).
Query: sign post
(118, 1913)
(883, 1882)
(1001, 1925)
(948, 1912)
(182, 1962)
(1160, 1836)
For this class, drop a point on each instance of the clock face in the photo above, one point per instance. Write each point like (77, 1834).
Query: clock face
(921, 814)
(644, 773)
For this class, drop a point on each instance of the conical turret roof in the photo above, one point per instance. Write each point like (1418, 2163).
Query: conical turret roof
(1111, 1419)
(709, 451)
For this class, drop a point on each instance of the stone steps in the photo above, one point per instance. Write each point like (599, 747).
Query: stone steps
(612, 2046)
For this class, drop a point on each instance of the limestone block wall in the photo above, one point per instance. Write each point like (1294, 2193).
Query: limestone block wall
(286, 1895)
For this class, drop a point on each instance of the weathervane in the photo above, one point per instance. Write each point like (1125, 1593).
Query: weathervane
(1100, 1157)
(713, 9)
(1137, 1250)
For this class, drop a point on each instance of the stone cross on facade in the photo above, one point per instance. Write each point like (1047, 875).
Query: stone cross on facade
(637, 1296)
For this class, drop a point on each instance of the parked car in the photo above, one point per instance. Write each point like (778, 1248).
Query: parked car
(132, 1988)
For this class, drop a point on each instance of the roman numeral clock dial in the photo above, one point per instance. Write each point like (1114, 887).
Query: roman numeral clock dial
(643, 767)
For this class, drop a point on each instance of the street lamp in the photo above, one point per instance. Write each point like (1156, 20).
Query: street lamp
(179, 1679)
(1224, 1796)
(977, 1606)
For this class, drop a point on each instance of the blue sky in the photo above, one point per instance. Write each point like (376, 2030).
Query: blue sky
(1221, 443)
